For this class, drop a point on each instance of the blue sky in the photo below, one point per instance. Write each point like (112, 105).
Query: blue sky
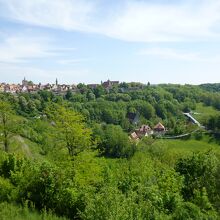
(161, 41)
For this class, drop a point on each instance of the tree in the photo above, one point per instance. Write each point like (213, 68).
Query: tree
(99, 91)
(72, 130)
(199, 171)
(7, 127)
(115, 142)
(69, 95)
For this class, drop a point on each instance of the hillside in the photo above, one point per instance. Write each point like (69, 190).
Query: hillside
(70, 156)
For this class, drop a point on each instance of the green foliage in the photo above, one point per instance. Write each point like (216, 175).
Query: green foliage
(7, 123)
(200, 176)
(72, 130)
(5, 189)
(151, 179)
(10, 211)
(12, 163)
(115, 143)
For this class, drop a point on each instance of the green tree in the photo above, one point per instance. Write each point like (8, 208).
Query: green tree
(7, 125)
(115, 142)
(200, 172)
(69, 95)
(72, 130)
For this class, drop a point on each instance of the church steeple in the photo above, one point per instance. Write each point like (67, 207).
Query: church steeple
(24, 82)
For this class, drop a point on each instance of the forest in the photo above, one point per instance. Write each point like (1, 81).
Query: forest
(70, 156)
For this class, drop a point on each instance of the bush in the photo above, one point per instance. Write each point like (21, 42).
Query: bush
(115, 143)
(5, 189)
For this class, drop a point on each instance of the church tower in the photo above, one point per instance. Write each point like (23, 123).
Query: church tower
(24, 82)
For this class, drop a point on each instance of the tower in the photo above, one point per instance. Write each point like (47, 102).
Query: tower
(24, 82)
(56, 81)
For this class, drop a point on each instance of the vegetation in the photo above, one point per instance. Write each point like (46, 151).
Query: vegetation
(69, 157)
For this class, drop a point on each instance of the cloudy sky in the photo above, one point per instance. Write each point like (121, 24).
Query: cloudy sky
(161, 41)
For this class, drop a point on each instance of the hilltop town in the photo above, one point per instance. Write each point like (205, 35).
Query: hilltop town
(29, 86)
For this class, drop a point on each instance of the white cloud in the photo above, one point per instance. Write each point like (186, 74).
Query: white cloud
(191, 20)
(174, 54)
(71, 61)
(21, 48)
(168, 53)
(64, 14)
(24, 47)
(130, 21)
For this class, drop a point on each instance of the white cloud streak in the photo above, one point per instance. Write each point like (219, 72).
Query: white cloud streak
(192, 20)
(174, 54)
(21, 48)
(71, 61)
(137, 21)
(25, 47)
(64, 14)
(168, 53)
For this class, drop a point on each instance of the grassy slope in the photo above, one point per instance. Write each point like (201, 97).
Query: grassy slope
(10, 211)
(171, 150)
(23, 146)
(205, 112)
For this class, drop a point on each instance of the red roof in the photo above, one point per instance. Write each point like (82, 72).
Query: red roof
(159, 126)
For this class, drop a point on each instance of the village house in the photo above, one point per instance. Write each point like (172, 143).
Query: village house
(144, 131)
(2, 87)
(134, 136)
(24, 89)
(159, 129)
(11, 88)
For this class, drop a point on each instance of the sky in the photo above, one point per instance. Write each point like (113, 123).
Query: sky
(156, 41)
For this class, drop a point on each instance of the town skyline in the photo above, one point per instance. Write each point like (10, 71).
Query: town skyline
(72, 82)
(56, 87)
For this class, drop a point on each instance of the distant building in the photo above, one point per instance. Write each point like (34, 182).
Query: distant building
(144, 130)
(24, 82)
(24, 89)
(159, 129)
(134, 136)
(93, 86)
(2, 87)
(109, 84)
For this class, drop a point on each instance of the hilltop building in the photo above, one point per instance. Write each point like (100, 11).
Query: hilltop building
(24, 82)
(109, 84)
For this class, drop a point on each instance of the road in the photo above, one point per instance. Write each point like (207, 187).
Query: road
(192, 119)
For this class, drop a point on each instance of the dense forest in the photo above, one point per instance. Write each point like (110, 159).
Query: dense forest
(70, 156)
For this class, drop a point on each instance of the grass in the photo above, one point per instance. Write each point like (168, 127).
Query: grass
(170, 150)
(11, 211)
(205, 112)
(18, 144)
